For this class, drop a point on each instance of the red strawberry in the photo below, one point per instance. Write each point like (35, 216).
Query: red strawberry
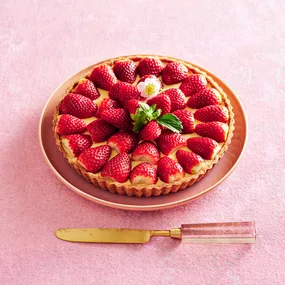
(212, 113)
(144, 173)
(151, 77)
(146, 151)
(205, 147)
(76, 143)
(168, 142)
(119, 118)
(123, 141)
(103, 77)
(132, 105)
(118, 168)
(190, 161)
(68, 124)
(93, 159)
(214, 130)
(169, 170)
(174, 72)
(126, 70)
(150, 131)
(150, 65)
(204, 98)
(107, 104)
(187, 120)
(78, 106)
(162, 102)
(193, 83)
(128, 92)
(86, 88)
(176, 97)
(100, 130)
(115, 89)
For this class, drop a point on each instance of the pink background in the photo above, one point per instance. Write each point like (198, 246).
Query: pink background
(43, 43)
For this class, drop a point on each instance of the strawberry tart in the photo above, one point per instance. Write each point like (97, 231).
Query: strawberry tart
(143, 125)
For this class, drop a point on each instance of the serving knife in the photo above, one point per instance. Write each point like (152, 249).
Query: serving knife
(232, 232)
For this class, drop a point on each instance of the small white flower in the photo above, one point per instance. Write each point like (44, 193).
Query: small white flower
(149, 88)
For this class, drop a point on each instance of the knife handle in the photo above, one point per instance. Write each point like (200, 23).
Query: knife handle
(234, 232)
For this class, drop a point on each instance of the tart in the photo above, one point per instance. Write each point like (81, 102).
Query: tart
(143, 125)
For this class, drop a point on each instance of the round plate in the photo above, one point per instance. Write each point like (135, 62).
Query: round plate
(80, 186)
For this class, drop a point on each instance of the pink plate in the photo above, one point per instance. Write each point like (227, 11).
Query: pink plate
(80, 186)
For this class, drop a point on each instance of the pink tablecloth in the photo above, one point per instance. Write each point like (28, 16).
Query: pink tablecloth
(42, 43)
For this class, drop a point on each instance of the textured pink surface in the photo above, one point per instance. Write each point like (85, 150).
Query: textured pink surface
(44, 42)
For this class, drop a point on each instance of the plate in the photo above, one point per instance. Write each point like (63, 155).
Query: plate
(79, 185)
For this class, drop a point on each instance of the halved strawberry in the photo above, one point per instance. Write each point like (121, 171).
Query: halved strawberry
(144, 173)
(205, 97)
(174, 72)
(123, 141)
(205, 147)
(86, 88)
(78, 106)
(177, 98)
(128, 92)
(162, 102)
(168, 142)
(103, 77)
(151, 77)
(118, 168)
(190, 161)
(68, 124)
(169, 170)
(93, 159)
(150, 131)
(132, 105)
(115, 89)
(146, 151)
(150, 65)
(76, 143)
(100, 130)
(193, 83)
(119, 118)
(214, 130)
(212, 113)
(107, 104)
(187, 120)
(126, 70)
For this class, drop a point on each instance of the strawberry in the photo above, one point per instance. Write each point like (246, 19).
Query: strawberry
(187, 120)
(128, 92)
(123, 141)
(176, 97)
(212, 113)
(169, 170)
(76, 143)
(115, 89)
(162, 102)
(150, 131)
(103, 77)
(168, 142)
(205, 147)
(193, 83)
(78, 106)
(144, 173)
(93, 159)
(126, 70)
(151, 77)
(190, 161)
(214, 130)
(204, 98)
(100, 130)
(150, 65)
(174, 72)
(107, 104)
(132, 105)
(68, 124)
(86, 88)
(118, 168)
(119, 118)
(146, 151)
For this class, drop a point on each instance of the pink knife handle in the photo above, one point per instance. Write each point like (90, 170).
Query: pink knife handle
(235, 232)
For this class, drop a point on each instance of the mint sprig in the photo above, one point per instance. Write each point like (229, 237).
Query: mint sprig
(171, 122)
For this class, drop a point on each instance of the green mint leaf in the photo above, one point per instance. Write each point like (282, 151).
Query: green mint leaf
(171, 122)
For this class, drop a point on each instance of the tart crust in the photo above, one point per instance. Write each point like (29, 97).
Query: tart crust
(160, 188)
